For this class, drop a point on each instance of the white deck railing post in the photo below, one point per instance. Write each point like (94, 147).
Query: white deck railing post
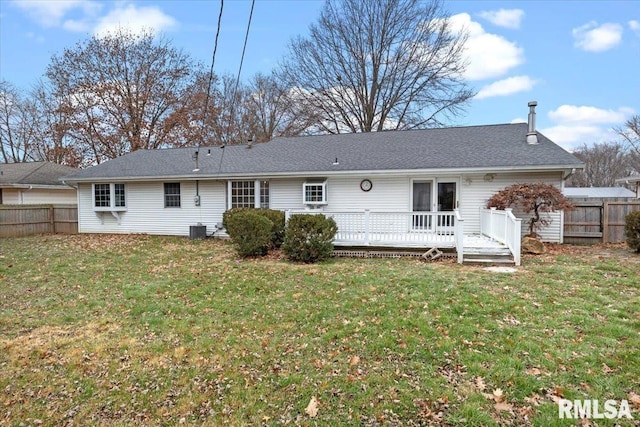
(459, 235)
(517, 241)
(367, 227)
(287, 215)
(491, 212)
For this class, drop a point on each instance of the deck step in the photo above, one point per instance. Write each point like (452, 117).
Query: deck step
(489, 252)
(489, 260)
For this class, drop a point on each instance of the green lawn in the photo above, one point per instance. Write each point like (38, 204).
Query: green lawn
(122, 330)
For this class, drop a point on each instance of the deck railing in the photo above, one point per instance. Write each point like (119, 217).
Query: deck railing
(401, 229)
(504, 227)
(459, 235)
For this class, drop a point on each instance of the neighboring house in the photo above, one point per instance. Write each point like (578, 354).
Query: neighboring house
(598, 193)
(35, 183)
(391, 188)
(632, 180)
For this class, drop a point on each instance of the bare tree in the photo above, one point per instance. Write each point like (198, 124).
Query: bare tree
(19, 124)
(273, 109)
(630, 133)
(370, 65)
(603, 164)
(121, 93)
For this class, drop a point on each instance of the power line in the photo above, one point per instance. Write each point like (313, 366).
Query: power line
(244, 48)
(213, 61)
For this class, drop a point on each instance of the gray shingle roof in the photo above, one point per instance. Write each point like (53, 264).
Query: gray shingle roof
(597, 192)
(472, 147)
(34, 173)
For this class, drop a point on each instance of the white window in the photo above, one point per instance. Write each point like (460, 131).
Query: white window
(108, 197)
(314, 193)
(171, 194)
(249, 194)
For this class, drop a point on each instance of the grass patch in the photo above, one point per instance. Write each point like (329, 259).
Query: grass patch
(117, 330)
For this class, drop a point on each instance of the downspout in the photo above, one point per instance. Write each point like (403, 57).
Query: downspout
(22, 194)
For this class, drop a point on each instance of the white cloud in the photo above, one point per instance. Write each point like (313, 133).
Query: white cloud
(634, 26)
(507, 18)
(488, 55)
(519, 120)
(50, 14)
(592, 37)
(576, 125)
(84, 16)
(587, 115)
(134, 19)
(506, 87)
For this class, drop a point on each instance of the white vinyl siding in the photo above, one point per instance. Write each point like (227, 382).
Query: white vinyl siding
(39, 196)
(286, 194)
(146, 213)
(475, 191)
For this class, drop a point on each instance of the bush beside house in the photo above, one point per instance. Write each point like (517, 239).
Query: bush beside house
(309, 238)
(632, 230)
(250, 232)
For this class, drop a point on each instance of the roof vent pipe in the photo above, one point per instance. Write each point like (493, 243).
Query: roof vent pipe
(532, 135)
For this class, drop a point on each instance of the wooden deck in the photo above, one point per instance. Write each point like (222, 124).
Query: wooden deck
(419, 231)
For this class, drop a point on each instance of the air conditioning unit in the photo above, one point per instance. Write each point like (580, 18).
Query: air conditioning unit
(197, 232)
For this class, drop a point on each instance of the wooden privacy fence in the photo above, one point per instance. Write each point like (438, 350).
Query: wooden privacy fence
(597, 220)
(27, 220)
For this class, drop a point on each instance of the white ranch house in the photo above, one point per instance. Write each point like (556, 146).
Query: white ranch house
(400, 189)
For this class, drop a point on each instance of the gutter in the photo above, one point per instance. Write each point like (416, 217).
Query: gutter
(69, 185)
(310, 174)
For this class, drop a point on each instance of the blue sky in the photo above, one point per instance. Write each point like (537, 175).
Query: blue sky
(579, 59)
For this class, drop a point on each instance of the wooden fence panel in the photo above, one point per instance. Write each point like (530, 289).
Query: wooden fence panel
(27, 220)
(614, 218)
(583, 224)
(597, 220)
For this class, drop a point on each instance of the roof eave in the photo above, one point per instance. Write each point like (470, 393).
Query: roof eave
(377, 172)
(40, 186)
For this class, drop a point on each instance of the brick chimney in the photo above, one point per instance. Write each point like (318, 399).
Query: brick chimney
(532, 135)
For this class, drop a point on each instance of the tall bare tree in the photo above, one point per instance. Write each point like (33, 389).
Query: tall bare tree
(630, 133)
(122, 92)
(370, 65)
(19, 125)
(273, 109)
(603, 164)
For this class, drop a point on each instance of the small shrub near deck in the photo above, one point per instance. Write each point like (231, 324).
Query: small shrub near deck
(309, 238)
(275, 216)
(250, 233)
(278, 220)
(632, 230)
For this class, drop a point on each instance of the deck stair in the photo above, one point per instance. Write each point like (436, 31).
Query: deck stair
(481, 249)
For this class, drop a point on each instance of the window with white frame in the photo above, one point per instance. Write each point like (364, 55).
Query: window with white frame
(249, 194)
(109, 197)
(171, 194)
(314, 193)
(264, 194)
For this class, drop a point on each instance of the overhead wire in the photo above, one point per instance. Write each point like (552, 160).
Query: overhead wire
(244, 49)
(213, 61)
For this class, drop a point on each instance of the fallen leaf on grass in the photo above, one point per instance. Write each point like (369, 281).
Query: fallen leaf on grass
(355, 359)
(480, 384)
(606, 369)
(312, 407)
(503, 406)
(635, 400)
(498, 395)
(533, 371)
